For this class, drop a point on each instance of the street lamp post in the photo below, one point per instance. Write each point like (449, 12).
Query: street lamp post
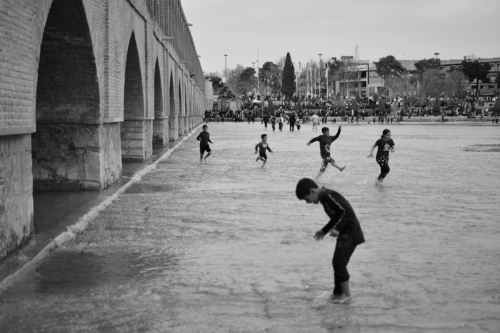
(227, 80)
(319, 76)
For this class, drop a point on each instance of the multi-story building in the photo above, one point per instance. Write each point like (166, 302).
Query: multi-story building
(364, 80)
(485, 89)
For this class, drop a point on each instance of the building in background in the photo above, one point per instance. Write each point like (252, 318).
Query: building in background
(485, 89)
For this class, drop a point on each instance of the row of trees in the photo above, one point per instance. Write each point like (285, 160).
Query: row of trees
(274, 78)
(433, 81)
(278, 78)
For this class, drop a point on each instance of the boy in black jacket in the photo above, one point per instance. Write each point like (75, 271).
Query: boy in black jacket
(325, 142)
(343, 224)
(204, 138)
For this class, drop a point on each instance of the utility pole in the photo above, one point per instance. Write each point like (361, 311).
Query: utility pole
(319, 76)
(225, 56)
(326, 68)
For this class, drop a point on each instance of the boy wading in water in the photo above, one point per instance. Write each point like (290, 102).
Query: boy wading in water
(204, 138)
(262, 147)
(343, 224)
(385, 145)
(325, 142)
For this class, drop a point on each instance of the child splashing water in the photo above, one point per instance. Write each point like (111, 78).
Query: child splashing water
(262, 147)
(385, 145)
(325, 142)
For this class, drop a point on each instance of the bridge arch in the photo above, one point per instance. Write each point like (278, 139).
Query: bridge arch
(181, 110)
(67, 103)
(133, 128)
(160, 130)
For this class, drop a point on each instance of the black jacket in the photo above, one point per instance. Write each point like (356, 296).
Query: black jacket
(342, 216)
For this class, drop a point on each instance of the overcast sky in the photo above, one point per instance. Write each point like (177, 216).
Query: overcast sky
(407, 29)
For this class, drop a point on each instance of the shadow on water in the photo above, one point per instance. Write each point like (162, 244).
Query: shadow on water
(55, 211)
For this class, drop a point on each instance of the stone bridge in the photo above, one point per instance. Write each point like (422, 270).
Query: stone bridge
(86, 85)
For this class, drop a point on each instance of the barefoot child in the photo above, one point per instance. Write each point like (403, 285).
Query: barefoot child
(262, 147)
(325, 141)
(204, 138)
(343, 224)
(385, 145)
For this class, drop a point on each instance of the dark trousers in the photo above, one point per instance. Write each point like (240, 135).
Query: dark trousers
(343, 251)
(292, 126)
(384, 167)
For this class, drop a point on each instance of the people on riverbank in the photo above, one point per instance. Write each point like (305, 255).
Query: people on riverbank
(385, 145)
(315, 122)
(343, 224)
(325, 142)
(261, 147)
(204, 138)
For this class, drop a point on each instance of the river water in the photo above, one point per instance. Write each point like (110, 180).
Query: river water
(225, 246)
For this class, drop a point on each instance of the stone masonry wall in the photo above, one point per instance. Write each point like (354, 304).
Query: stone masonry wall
(66, 157)
(16, 192)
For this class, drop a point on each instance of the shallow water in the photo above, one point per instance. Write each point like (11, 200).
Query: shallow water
(226, 246)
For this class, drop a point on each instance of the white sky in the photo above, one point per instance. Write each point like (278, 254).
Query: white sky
(407, 29)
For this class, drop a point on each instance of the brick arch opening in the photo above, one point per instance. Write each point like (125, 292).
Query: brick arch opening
(135, 130)
(160, 128)
(134, 97)
(67, 103)
(172, 96)
(181, 112)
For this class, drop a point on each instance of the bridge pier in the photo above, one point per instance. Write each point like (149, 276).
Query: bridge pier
(16, 192)
(173, 128)
(161, 132)
(137, 138)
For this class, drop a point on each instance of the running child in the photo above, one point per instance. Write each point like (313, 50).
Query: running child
(204, 138)
(385, 145)
(273, 122)
(343, 224)
(325, 141)
(262, 147)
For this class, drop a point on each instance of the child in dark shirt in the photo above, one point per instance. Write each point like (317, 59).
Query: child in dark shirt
(325, 142)
(343, 224)
(385, 145)
(273, 122)
(262, 147)
(204, 138)
(280, 125)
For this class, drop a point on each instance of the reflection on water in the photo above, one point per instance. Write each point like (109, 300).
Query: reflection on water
(225, 246)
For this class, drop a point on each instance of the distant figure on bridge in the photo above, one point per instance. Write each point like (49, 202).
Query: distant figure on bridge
(204, 138)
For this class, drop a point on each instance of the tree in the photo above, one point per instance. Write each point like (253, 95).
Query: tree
(217, 83)
(425, 64)
(389, 68)
(454, 83)
(270, 107)
(288, 81)
(432, 82)
(437, 106)
(497, 79)
(496, 107)
(246, 81)
(476, 71)
(343, 71)
(269, 75)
